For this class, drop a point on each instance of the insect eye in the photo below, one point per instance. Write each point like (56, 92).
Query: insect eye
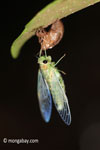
(45, 61)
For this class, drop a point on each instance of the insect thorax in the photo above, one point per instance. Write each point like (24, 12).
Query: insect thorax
(49, 72)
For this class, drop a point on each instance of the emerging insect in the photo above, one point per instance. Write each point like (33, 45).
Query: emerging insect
(52, 37)
(50, 83)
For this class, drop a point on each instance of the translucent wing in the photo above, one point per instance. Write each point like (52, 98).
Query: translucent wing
(44, 96)
(60, 100)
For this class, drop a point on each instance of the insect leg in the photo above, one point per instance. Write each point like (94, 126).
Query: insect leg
(62, 72)
(60, 59)
(40, 53)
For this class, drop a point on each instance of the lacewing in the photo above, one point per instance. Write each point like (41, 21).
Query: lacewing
(51, 86)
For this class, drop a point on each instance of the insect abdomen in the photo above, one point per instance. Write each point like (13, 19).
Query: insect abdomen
(52, 77)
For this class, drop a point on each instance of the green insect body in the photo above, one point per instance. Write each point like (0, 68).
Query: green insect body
(50, 73)
(50, 82)
(60, 78)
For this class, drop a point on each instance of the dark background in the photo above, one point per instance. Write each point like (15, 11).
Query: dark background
(19, 111)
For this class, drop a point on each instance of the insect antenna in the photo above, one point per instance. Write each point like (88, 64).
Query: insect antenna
(45, 53)
(41, 52)
(60, 59)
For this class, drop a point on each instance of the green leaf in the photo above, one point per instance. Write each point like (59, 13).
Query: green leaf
(58, 9)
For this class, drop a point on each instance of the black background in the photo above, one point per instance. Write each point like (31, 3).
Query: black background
(19, 111)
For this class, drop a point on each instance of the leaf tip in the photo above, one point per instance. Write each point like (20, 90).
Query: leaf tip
(14, 52)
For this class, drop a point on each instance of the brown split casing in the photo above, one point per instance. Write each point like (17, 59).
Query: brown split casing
(51, 38)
